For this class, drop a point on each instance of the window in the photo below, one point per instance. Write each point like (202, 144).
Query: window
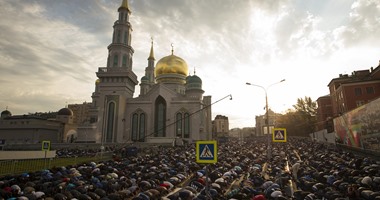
(370, 90)
(358, 91)
(93, 120)
(179, 128)
(138, 127)
(160, 117)
(125, 37)
(359, 103)
(124, 63)
(135, 125)
(118, 36)
(110, 121)
(115, 60)
(183, 125)
(186, 133)
(142, 127)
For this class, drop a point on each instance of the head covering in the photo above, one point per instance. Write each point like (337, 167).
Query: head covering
(276, 193)
(259, 197)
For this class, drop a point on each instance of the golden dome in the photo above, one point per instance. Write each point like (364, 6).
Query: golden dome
(171, 65)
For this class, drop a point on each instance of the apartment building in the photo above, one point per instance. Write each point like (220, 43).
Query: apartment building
(348, 92)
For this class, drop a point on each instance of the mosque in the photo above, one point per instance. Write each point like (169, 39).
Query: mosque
(169, 108)
(170, 104)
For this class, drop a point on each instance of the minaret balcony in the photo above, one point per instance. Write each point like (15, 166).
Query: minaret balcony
(122, 23)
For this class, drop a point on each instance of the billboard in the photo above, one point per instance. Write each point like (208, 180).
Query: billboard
(360, 127)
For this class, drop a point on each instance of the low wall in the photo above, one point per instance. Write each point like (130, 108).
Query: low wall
(15, 155)
(161, 140)
(323, 136)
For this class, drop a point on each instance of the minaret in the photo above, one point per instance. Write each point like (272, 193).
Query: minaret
(120, 50)
(148, 80)
(149, 71)
(116, 82)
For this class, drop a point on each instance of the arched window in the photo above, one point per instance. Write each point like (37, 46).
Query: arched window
(160, 117)
(110, 121)
(138, 127)
(182, 128)
(142, 127)
(178, 129)
(115, 60)
(135, 125)
(124, 63)
(186, 124)
(118, 36)
(125, 37)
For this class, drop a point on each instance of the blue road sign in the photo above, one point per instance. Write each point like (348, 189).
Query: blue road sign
(206, 152)
(279, 135)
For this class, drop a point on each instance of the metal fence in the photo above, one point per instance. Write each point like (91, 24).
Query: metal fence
(14, 167)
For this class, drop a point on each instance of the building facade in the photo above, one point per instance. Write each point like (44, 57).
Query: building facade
(170, 105)
(55, 127)
(351, 91)
(261, 125)
(80, 112)
(220, 126)
(324, 114)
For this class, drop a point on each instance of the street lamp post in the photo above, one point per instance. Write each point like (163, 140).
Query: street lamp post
(269, 150)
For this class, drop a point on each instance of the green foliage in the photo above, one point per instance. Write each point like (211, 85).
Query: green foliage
(306, 106)
(300, 121)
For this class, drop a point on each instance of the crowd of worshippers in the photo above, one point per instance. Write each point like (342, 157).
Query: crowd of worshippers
(244, 170)
(88, 152)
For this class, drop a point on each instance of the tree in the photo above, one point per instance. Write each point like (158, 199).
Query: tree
(301, 120)
(307, 106)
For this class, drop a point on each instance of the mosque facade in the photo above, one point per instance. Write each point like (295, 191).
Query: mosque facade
(170, 106)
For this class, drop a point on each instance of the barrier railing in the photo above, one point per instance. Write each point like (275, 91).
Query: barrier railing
(14, 167)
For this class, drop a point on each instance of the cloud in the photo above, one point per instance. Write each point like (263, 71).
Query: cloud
(50, 50)
(362, 28)
(42, 57)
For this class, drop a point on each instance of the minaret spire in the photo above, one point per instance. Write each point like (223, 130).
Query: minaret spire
(149, 71)
(124, 5)
(151, 55)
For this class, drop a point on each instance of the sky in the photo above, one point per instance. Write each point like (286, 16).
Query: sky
(51, 49)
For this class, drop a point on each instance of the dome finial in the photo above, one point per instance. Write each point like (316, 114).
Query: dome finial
(194, 70)
(172, 49)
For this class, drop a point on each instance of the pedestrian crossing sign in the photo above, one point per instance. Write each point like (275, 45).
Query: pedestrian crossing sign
(279, 135)
(206, 152)
(45, 145)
